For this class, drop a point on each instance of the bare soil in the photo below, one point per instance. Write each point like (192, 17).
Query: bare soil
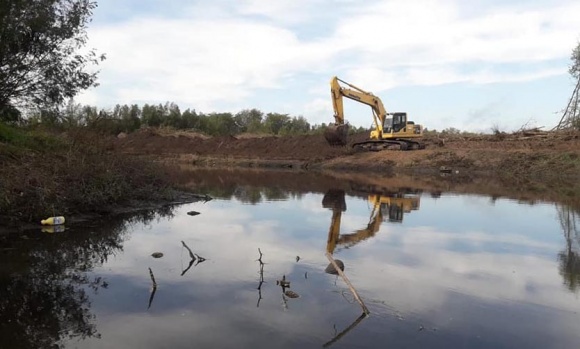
(543, 154)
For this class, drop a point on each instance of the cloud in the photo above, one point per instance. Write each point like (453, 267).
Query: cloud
(201, 62)
(280, 55)
(282, 11)
(414, 273)
(426, 42)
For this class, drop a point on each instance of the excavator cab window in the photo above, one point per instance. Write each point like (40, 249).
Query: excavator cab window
(399, 121)
(396, 213)
(388, 126)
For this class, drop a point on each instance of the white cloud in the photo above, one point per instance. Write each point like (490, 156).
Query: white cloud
(281, 11)
(201, 62)
(216, 59)
(423, 43)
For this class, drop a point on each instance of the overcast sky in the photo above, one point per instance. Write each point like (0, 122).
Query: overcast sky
(448, 63)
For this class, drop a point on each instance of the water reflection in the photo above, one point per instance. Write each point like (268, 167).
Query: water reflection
(570, 257)
(485, 276)
(393, 205)
(46, 284)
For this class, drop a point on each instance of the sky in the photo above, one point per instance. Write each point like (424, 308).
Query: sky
(448, 63)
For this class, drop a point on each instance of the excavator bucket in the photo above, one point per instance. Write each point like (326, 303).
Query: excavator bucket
(334, 199)
(336, 135)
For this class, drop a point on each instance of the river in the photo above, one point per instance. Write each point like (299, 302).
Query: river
(435, 270)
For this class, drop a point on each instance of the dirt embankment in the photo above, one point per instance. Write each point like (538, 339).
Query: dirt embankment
(544, 155)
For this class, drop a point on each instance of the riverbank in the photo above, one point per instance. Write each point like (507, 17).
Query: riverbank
(77, 172)
(537, 156)
(46, 173)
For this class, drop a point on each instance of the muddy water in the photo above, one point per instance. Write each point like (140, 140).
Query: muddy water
(435, 271)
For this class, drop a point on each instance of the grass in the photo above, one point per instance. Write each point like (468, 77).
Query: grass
(46, 173)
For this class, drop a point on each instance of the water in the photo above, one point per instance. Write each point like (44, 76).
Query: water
(436, 271)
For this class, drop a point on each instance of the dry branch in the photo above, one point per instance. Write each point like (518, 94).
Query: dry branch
(189, 250)
(346, 330)
(153, 289)
(152, 278)
(354, 293)
(261, 272)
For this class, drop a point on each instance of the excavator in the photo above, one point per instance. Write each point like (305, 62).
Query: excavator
(391, 130)
(393, 206)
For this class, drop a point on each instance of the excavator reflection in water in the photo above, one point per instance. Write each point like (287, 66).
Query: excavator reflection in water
(393, 206)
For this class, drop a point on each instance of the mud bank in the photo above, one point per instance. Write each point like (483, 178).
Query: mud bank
(549, 157)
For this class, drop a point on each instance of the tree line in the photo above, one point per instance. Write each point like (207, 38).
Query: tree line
(129, 118)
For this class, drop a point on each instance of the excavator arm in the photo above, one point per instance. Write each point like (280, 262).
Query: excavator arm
(359, 95)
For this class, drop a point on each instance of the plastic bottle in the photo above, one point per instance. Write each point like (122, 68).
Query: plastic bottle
(53, 221)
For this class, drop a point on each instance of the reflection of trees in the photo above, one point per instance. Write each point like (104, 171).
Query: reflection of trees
(276, 194)
(570, 258)
(250, 194)
(44, 283)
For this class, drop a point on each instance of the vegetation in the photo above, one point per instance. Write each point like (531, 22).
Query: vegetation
(575, 64)
(128, 118)
(45, 173)
(40, 60)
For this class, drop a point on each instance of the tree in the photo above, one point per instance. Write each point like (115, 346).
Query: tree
(40, 60)
(249, 120)
(9, 114)
(274, 122)
(575, 65)
(220, 124)
(570, 258)
(571, 115)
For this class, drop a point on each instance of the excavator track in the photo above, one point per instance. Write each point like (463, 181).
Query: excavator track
(388, 144)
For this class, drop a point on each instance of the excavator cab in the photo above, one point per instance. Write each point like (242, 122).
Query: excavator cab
(395, 122)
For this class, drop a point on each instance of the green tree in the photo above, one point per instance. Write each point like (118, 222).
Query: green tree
(575, 65)
(220, 124)
(151, 116)
(249, 120)
(9, 114)
(172, 115)
(40, 59)
(296, 125)
(274, 122)
(190, 119)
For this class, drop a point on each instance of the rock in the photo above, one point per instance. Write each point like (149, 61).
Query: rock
(331, 270)
(157, 255)
(122, 135)
(291, 294)
(444, 169)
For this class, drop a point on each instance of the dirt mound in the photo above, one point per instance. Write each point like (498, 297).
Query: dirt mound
(308, 147)
(519, 154)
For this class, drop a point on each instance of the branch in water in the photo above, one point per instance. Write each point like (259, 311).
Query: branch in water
(191, 255)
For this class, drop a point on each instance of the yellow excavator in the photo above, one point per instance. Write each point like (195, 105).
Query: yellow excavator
(394, 206)
(391, 130)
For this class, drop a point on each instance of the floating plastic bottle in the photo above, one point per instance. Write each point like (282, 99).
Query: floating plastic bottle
(53, 221)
